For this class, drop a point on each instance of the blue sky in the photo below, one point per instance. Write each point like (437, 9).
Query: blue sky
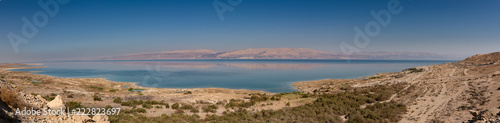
(94, 28)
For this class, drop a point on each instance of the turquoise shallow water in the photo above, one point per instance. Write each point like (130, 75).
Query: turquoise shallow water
(266, 75)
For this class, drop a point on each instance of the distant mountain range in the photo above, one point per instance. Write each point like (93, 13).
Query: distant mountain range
(273, 53)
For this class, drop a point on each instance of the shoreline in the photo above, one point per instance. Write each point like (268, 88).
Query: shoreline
(129, 84)
(294, 85)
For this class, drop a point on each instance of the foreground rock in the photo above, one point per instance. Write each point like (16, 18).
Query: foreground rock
(486, 116)
(38, 103)
(57, 103)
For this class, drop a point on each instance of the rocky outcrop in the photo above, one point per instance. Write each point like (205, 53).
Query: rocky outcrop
(38, 103)
(57, 103)
(100, 119)
(486, 116)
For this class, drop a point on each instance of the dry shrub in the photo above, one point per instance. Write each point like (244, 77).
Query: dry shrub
(11, 98)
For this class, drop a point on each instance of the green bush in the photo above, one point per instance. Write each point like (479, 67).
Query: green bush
(148, 106)
(117, 100)
(97, 98)
(213, 107)
(132, 103)
(186, 107)
(210, 108)
(175, 106)
(98, 88)
(112, 90)
(167, 106)
(141, 110)
(194, 110)
(108, 107)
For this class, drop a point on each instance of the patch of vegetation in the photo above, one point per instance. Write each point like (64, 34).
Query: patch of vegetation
(239, 103)
(49, 98)
(112, 90)
(11, 98)
(414, 70)
(374, 77)
(254, 98)
(188, 92)
(175, 106)
(2, 77)
(141, 110)
(72, 105)
(186, 107)
(134, 117)
(98, 88)
(132, 103)
(108, 107)
(379, 112)
(326, 108)
(210, 108)
(194, 110)
(398, 76)
(97, 97)
(167, 105)
(134, 90)
(70, 96)
(53, 94)
(117, 100)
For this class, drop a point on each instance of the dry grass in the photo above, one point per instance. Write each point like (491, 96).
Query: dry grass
(11, 98)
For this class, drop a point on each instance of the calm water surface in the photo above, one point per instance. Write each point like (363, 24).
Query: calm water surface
(266, 75)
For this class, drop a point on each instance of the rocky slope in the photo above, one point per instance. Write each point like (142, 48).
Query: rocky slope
(8, 113)
(465, 91)
(271, 53)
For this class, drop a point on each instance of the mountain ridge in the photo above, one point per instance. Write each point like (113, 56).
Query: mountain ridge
(274, 53)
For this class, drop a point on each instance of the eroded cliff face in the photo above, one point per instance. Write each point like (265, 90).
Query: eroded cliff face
(452, 92)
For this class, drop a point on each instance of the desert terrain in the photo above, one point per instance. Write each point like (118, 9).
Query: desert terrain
(463, 91)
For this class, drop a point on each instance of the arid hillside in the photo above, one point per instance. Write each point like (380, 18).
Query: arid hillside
(452, 92)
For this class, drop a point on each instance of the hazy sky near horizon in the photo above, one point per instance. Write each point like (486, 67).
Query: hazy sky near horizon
(94, 28)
